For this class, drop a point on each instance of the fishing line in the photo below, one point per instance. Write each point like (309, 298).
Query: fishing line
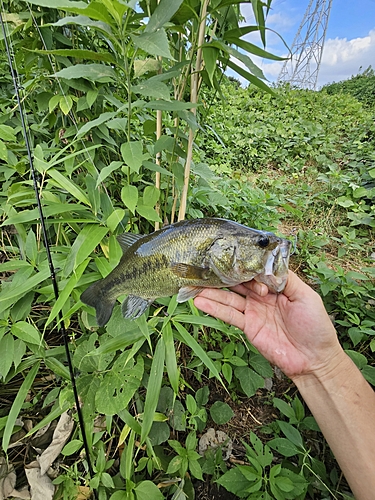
(60, 323)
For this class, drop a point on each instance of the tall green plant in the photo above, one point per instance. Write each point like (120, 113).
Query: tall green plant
(111, 91)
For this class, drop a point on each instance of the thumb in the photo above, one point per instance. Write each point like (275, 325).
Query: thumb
(295, 288)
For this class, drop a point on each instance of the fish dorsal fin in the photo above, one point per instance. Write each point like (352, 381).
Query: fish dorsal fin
(188, 292)
(126, 240)
(189, 271)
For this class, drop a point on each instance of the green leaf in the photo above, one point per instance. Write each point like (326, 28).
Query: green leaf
(132, 153)
(129, 195)
(253, 49)
(170, 358)
(31, 248)
(210, 56)
(345, 202)
(72, 447)
(100, 73)
(291, 433)
(360, 192)
(227, 372)
(284, 483)
(59, 4)
(156, 168)
(53, 415)
(118, 387)
(155, 43)
(106, 171)
(191, 405)
(250, 380)
(7, 298)
(152, 88)
(49, 210)
(57, 368)
(153, 388)
(234, 481)
(145, 490)
(27, 332)
(91, 97)
(103, 118)
(85, 243)
(240, 56)
(115, 219)
(148, 213)
(195, 469)
(17, 405)
(151, 195)
(79, 53)
(191, 319)
(285, 409)
(53, 102)
(142, 66)
(221, 412)
(197, 349)
(260, 364)
(170, 105)
(163, 13)
(369, 373)
(359, 359)
(174, 464)
(66, 103)
(65, 293)
(19, 352)
(248, 76)
(3, 151)
(7, 350)
(284, 447)
(69, 186)
(7, 133)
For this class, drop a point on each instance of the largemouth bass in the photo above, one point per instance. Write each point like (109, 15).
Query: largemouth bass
(184, 258)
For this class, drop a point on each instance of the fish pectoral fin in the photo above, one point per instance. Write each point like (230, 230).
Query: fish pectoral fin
(134, 306)
(126, 240)
(188, 292)
(189, 271)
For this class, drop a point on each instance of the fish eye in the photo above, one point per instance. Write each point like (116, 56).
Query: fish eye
(263, 241)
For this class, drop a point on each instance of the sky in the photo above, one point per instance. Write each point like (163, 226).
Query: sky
(349, 43)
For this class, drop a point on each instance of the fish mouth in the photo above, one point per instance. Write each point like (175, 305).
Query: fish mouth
(275, 272)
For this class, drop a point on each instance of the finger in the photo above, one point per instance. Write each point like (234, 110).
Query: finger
(295, 288)
(225, 297)
(259, 289)
(218, 310)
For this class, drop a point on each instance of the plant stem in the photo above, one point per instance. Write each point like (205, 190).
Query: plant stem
(194, 100)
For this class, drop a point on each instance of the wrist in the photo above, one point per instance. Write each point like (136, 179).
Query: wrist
(337, 366)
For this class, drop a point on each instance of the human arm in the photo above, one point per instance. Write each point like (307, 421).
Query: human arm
(293, 331)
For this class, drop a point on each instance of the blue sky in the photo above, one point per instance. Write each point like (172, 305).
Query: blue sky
(349, 43)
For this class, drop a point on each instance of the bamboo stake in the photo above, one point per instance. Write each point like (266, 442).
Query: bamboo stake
(194, 100)
(159, 124)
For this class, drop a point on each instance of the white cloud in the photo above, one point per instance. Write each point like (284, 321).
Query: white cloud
(341, 59)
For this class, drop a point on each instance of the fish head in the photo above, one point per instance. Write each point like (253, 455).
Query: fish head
(241, 255)
(255, 253)
(276, 263)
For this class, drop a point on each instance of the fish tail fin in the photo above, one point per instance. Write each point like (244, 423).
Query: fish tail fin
(103, 304)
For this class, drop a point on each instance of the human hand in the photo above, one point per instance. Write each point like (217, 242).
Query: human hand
(291, 329)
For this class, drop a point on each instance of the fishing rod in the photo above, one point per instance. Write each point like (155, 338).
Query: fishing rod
(60, 322)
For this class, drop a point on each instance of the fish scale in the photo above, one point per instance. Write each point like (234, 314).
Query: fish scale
(184, 258)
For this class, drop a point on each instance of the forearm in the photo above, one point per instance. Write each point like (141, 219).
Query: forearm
(343, 404)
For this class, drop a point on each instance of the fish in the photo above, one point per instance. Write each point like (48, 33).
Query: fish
(185, 257)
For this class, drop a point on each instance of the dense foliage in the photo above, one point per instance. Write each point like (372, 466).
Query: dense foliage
(361, 86)
(112, 127)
